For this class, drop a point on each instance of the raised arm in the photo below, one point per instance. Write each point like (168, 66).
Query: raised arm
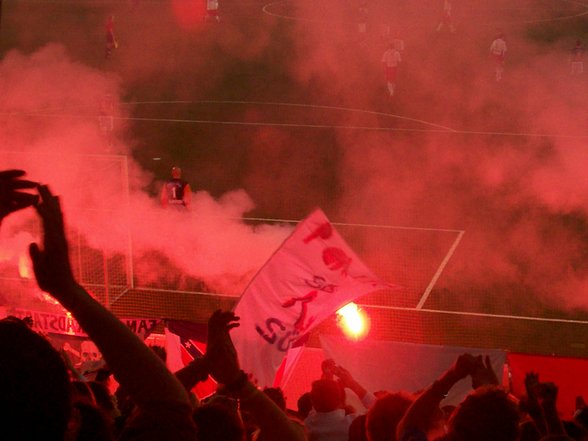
(349, 382)
(224, 368)
(135, 366)
(419, 415)
(193, 373)
(531, 403)
(547, 394)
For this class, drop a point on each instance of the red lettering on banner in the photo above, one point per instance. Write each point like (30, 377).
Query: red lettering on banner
(269, 323)
(54, 323)
(132, 324)
(324, 231)
(299, 325)
(320, 283)
(141, 327)
(61, 323)
(336, 259)
(283, 340)
(282, 337)
(51, 323)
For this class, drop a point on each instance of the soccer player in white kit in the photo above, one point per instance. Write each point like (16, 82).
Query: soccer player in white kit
(391, 59)
(497, 51)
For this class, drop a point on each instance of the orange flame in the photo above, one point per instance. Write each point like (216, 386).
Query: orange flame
(24, 267)
(353, 321)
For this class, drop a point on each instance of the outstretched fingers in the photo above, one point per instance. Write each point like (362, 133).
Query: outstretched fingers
(11, 174)
(11, 199)
(51, 263)
(223, 320)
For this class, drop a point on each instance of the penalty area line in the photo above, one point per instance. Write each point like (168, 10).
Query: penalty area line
(478, 314)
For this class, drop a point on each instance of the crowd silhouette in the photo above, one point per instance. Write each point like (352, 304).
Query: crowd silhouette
(43, 397)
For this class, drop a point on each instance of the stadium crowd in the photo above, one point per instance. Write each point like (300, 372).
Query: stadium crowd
(42, 397)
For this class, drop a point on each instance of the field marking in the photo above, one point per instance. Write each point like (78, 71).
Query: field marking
(265, 10)
(478, 314)
(443, 129)
(439, 271)
(372, 112)
(343, 224)
(440, 268)
(311, 106)
(53, 113)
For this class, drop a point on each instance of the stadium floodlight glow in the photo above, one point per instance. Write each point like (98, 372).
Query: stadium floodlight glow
(353, 321)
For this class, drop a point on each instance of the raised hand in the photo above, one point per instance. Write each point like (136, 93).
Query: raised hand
(344, 376)
(136, 367)
(464, 365)
(530, 403)
(547, 393)
(11, 199)
(221, 355)
(547, 396)
(483, 372)
(328, 367)
(51, 264)
(531, 385)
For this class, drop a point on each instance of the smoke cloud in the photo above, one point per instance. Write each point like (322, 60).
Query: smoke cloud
(453, 149)
(51, 128)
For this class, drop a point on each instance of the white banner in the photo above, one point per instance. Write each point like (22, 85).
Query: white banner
(64, 323)
(312, 275)
(388, 365)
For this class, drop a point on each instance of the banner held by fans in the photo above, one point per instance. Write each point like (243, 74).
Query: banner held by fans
(64, 323)
(184, 342)
(312, 275)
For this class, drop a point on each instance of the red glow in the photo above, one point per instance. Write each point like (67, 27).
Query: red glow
(353, 321)
(189, 13)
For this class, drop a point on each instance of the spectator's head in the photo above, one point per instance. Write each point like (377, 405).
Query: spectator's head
(277, 396)
(217, 422)
(304, 405)
(90, 424)
(34, 384)
(103, 375)
(102, 396)
(176, 172)
(327, 395)
(487, 414)
(82, 393)
(384, 416)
